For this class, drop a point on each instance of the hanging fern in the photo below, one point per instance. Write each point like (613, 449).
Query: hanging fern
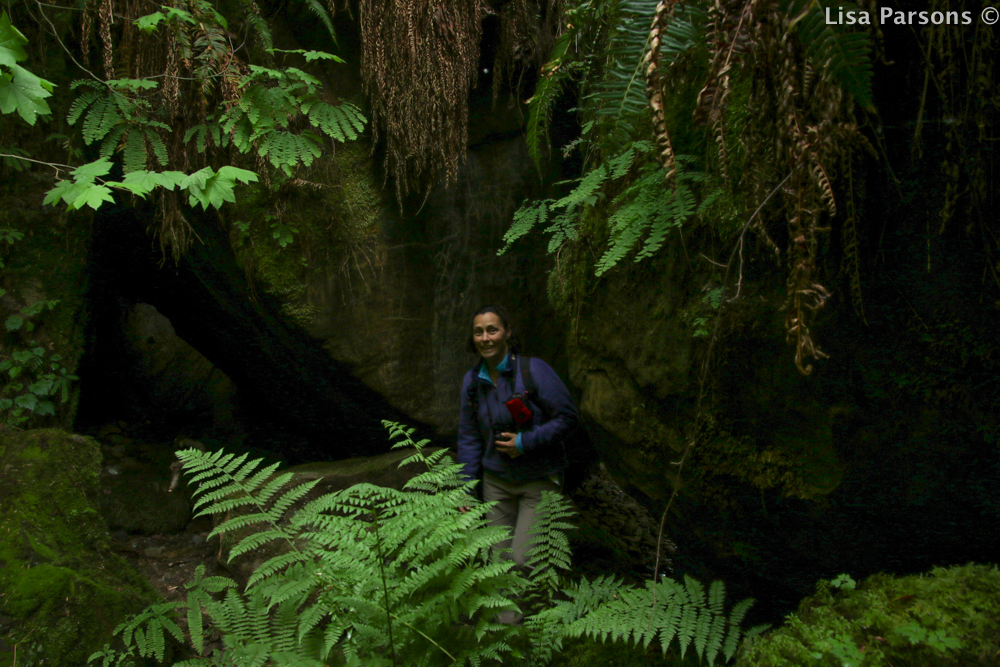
(550, 86)
(846, 55)
(261, 120)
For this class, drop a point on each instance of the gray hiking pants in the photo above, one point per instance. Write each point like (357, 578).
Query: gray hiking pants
(515, 508)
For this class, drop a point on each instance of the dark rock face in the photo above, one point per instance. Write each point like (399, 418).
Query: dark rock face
(883, 459)
(64, 588)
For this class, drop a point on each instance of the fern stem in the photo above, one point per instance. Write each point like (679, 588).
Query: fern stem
(453, 658)
(385, 585)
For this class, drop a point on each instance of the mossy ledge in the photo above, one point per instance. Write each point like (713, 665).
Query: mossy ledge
(62, 589)
(949, 616)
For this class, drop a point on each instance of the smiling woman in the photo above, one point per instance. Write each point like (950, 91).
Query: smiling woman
(515, 413)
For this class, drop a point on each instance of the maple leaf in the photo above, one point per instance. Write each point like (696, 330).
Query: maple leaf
(25, 93)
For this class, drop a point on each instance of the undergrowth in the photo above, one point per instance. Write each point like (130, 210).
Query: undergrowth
(950, 616)
(378, 576)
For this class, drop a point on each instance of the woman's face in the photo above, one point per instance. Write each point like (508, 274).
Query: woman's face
(490, 337)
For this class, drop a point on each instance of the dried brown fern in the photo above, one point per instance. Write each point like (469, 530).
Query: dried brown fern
(654, 90)
(106, 16)
(419, 62)
(727, 37)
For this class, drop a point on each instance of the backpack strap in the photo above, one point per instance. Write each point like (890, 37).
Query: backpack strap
(528, 382)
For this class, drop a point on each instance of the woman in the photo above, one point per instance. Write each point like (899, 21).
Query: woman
(516, 463)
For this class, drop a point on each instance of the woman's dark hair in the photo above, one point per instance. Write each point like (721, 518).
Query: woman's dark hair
(513, 342)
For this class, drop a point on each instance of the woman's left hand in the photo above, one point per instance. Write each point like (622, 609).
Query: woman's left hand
(507, 444)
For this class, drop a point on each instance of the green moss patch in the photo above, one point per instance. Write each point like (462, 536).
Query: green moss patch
(950, 616)
(325, 219)
(62, 589)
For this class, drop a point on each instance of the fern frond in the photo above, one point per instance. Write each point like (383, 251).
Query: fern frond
(547, 91)
(102, 115)
(342, 122)
(80, 105)
(135, 151)
(845, 55)
(260, 26)
(319, 11)
(550, 551)
(159, 148)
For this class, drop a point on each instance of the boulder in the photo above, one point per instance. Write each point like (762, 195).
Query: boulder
(135, 495)
(63, 588)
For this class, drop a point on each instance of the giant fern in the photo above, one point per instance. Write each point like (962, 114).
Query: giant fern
(390, 577)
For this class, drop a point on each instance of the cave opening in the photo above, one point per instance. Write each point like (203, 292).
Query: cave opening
(185, 349)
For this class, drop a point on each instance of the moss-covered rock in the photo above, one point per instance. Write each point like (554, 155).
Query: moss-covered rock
(62, 589)
(949, 616)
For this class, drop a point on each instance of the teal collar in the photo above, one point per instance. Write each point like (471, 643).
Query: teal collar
(484, 373)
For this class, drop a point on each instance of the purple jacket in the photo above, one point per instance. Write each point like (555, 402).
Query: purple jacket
(483, 415)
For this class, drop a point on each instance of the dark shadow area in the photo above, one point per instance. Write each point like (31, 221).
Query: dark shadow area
(292, 398)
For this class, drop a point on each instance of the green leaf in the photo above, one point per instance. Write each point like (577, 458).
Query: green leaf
(142, 182)
(41, 388)
(68, 191)
(149, 22)
(309, 55)
(139, 183)
(174, 13)
(235, 174)
(25, 93)
(208, 188)
(14, 322)
(132, 84)
(26, 401)
(93, 196)
(11, 41)
(88, 172)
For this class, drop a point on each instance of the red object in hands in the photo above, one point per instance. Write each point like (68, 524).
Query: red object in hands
(519, 409)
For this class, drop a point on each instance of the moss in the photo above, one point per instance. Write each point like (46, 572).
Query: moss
(333, 210)
(950, 616)
(64, 589)
(797, 472)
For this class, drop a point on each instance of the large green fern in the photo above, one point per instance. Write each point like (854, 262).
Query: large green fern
(378, 576)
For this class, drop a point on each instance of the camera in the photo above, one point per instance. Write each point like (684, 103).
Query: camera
(519, 410)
